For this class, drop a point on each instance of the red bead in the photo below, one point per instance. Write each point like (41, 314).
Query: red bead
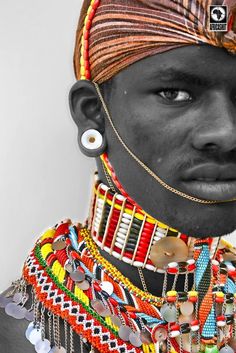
(171, 299)
(148, 226)
(172, 270)
(79, 268)
(62, 229)
(91, 14)
(86, 34)
(75, 255)
(194, 323)
(126, 254)
(88, 24)
(96, 4)
(193, 299)
(132, 315)
(87, 75)
(219, 300)
(68, 241)
(220, 318)
(215, 268)
(85, 55)
(232, 273)
(113, 301)
(191, 267)
(86, 44)
(97, 287)
(51, 258)
(174, 327)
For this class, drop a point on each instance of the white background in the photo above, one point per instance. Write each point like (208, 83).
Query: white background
(43, 176)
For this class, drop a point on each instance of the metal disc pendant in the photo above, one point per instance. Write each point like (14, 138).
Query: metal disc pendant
(59, 245)
(35, 336)
(19, 297)
(169, 312)
(107, 287)
(16, 311)
(83, 285)
(159, 334)
(124, 332)
(4, 301)
(58, 350)
(43, 346)
(169, 249)
(116, 320)
(186, 308)
(226, 349)
(77, 276)
(135, 340)
(68, 267)
(97, 305)
(105, 313)
(29, 329)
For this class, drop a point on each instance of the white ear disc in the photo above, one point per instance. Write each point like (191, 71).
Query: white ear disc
(91, 139)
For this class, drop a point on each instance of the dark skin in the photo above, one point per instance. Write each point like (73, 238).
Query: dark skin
(176, 111)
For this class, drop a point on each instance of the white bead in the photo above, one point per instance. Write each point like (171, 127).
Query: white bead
(173, 264)
(118, 245)
(174, 334)
(161, 230)
(126, 215)
(104, 187)
(120, 241)
(149, 267)
(138, 264)
(91, 139)
(120, 197)
(124, 231)
(221, 323)
(159, 235)
(100, 202)
(116, 254)
(99, 211)
(126, 260)
(121, 236)
(125, 226)
(195, 328)
(125, 220)
(190, 262)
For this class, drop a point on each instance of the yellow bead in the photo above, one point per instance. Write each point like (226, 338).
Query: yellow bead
(193, 293)
(82, 70)
(220, 294)
(171, 293)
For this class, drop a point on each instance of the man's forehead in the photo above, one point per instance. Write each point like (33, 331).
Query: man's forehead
(202, 65)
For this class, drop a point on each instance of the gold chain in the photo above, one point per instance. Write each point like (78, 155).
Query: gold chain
(148, 170)
(142, 279)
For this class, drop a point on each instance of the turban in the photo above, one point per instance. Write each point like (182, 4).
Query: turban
(112, 35)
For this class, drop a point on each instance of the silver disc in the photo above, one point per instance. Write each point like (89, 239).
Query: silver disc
(77, 276)
(29, 315)
(115, 320)
(59, 245)
(17, 298)
(124, 332)
(29, 329)
(226, 349)
(135, 340)
(35, 336)
(83, 285)
(43, 346)
(16, 311)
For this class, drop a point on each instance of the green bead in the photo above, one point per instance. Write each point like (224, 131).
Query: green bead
(211, 349)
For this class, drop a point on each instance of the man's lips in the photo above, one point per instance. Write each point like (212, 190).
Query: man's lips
(211, 172)
(211, 181)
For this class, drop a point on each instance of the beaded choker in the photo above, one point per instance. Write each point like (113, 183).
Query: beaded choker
(72, 284)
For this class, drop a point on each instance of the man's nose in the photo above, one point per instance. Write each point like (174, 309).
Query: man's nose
(216, 128)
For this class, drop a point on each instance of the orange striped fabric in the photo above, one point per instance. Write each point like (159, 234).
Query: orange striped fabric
(125, 31)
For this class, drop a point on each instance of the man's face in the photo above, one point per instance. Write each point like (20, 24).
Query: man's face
(177, 112)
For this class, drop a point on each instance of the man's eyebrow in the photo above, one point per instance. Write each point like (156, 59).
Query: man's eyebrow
(169, 75)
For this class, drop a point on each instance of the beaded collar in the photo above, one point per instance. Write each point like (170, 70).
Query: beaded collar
(71, 281)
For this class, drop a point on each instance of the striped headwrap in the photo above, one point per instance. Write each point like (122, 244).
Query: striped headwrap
(112, 35)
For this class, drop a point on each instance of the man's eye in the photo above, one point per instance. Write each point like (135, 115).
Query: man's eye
(174, 95)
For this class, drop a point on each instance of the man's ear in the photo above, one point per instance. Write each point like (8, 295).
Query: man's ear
(86, 111)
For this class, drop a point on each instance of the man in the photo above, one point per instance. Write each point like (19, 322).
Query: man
(157, 111)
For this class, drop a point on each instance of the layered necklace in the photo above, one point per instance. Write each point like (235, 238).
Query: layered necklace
(73, 284)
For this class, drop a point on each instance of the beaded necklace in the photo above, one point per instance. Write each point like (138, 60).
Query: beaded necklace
(72, 281)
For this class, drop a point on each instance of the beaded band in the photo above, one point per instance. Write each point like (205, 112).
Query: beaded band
(84, 57)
